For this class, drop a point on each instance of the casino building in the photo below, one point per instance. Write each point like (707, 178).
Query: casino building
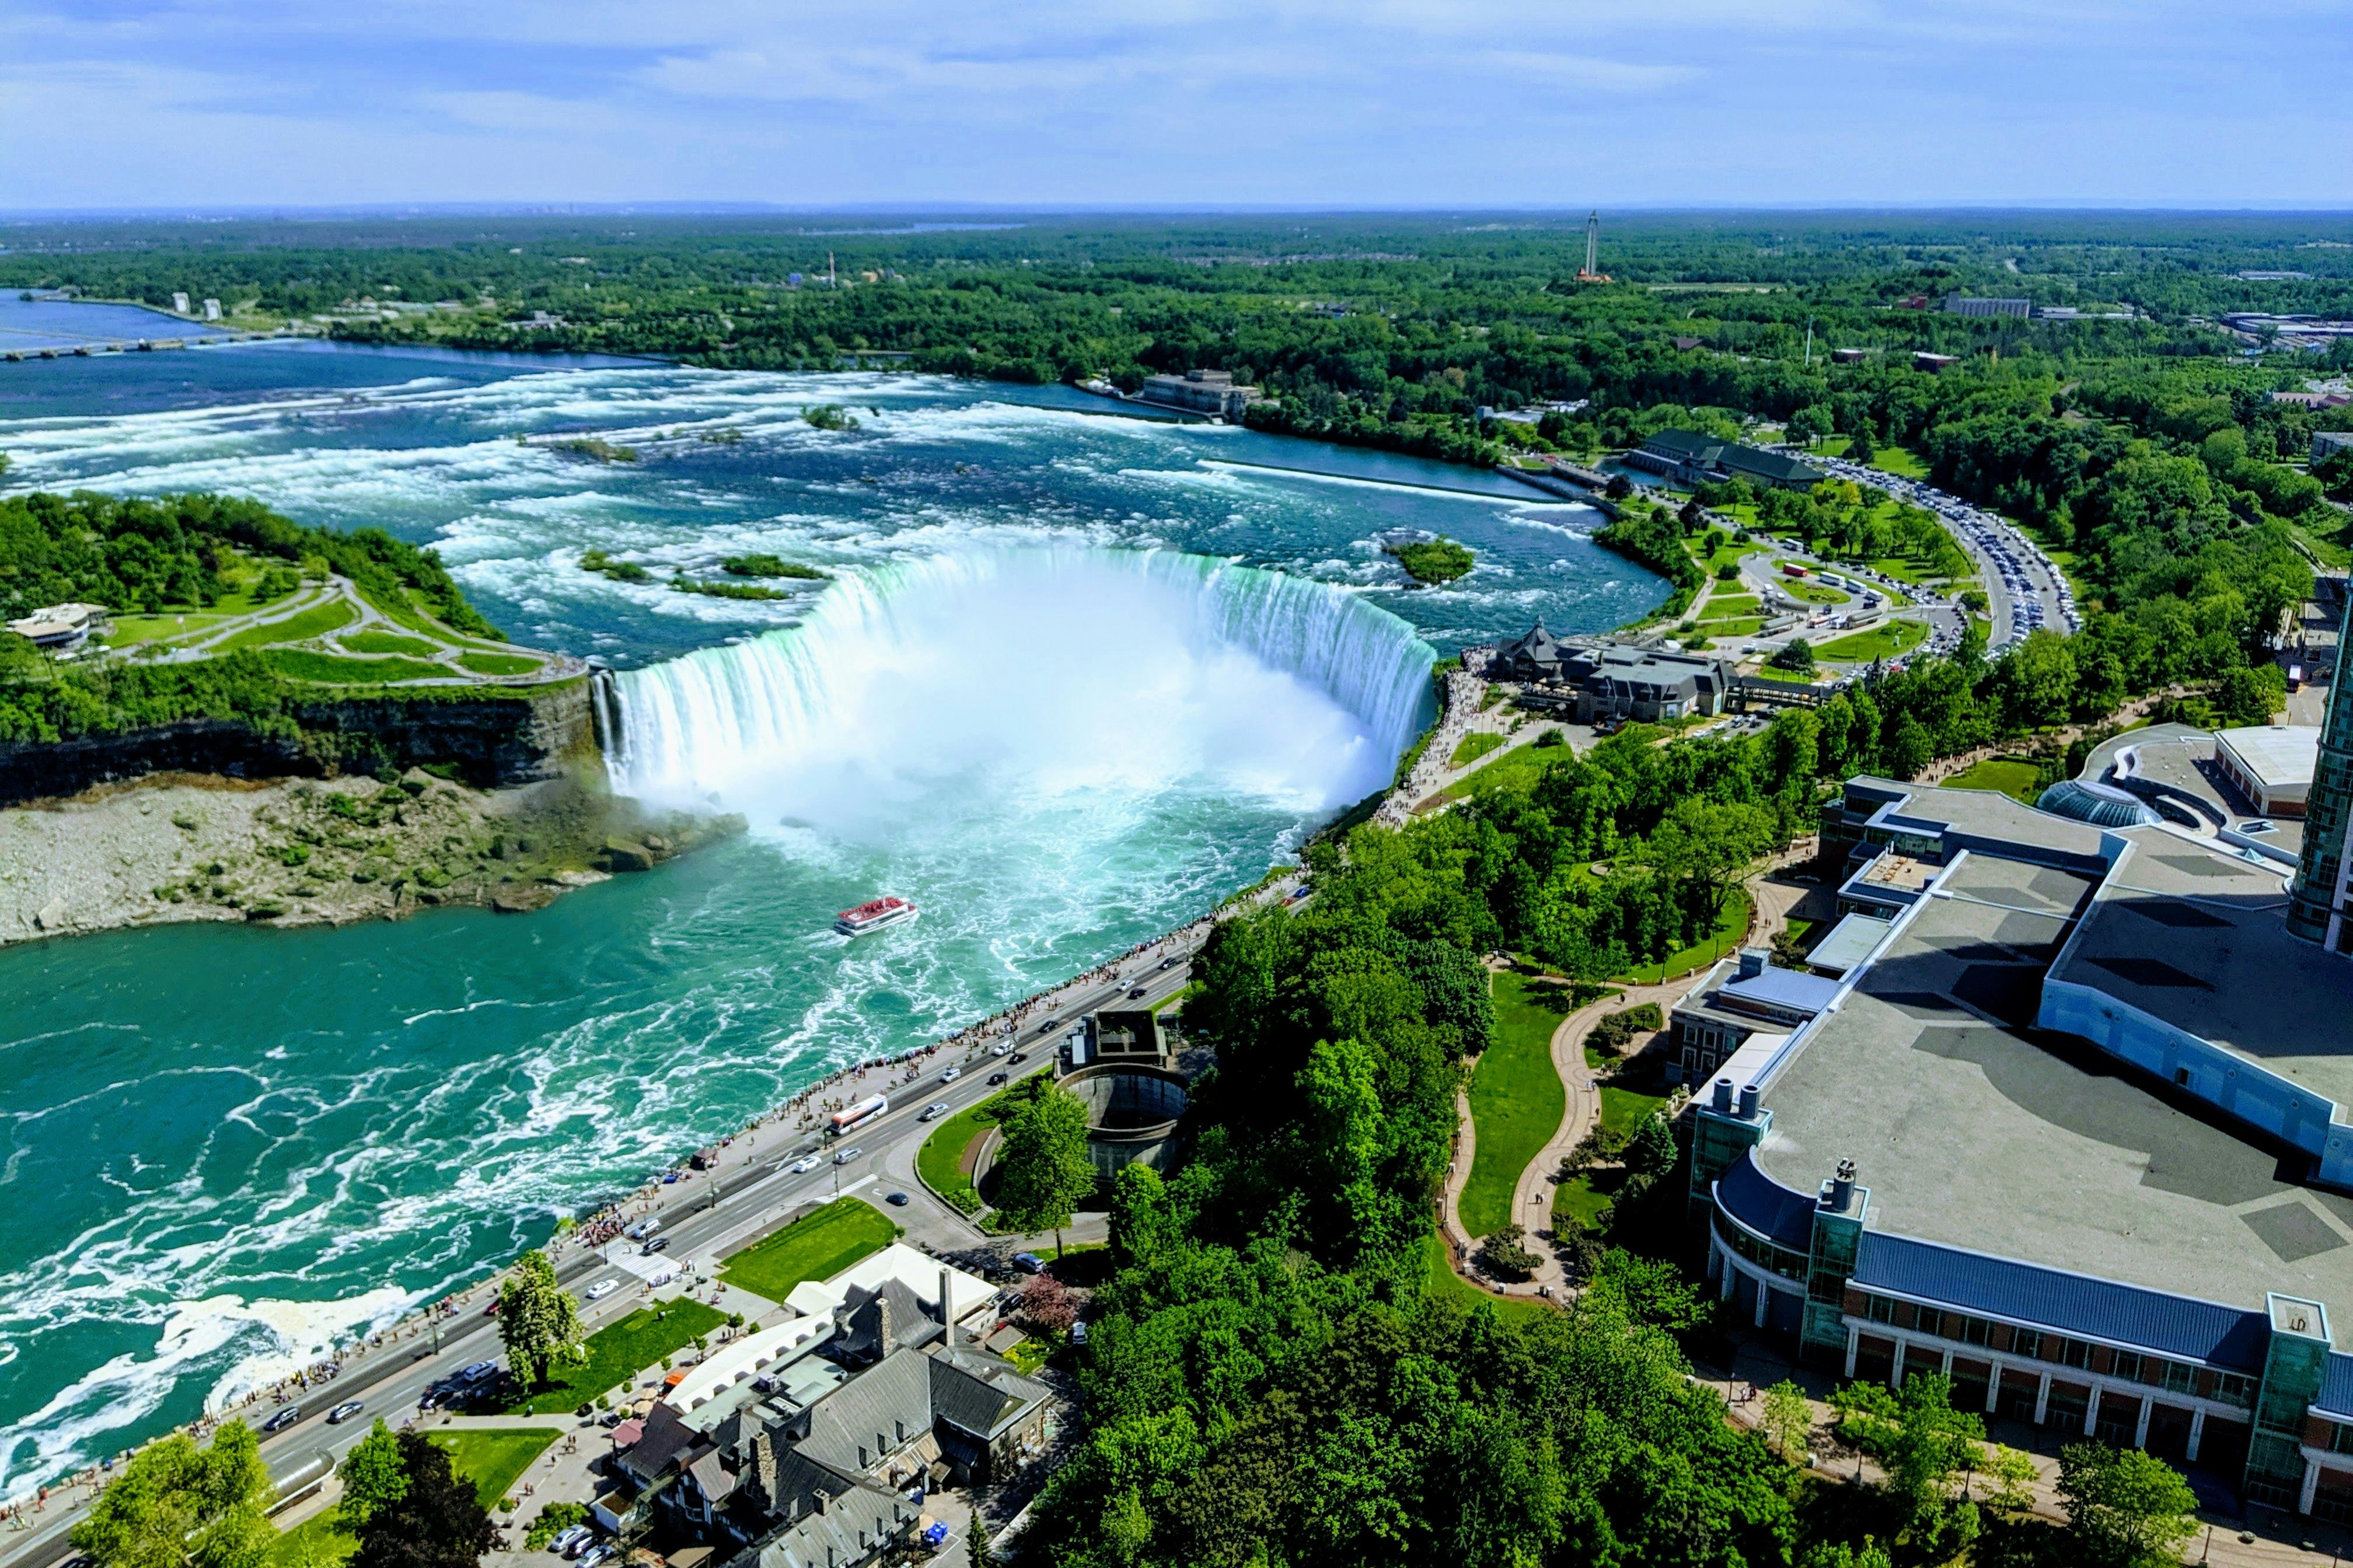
(2077, 1130)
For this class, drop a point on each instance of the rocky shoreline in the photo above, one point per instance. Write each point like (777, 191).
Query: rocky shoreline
(171, 848)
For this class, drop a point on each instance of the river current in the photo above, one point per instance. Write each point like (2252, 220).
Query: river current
(1076, 678)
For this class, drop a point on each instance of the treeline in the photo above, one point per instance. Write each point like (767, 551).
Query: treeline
(138, 554)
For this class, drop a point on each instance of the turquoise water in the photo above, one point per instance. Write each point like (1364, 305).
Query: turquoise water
(1081, 677)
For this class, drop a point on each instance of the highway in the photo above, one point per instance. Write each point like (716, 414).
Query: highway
(705, 1215)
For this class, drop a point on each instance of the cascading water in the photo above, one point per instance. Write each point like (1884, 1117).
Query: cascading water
(1065, 670)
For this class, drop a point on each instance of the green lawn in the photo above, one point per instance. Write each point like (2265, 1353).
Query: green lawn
(817, 1246)
(334, 671)
(1897, 461)
(497, 663)
(315, 622)
(1739, 628)
(1517, 772)
(2005, 775)
(621, 1351)
(377, 640)
(940, 1161)
(313, 1543)
(1623, 1109)
(1441, 1280)
(1517, 1100)
(1720, 606)
(493, 1460)
(1811, 591)
(1473, 746)
(1883, 641)
(1728, 929)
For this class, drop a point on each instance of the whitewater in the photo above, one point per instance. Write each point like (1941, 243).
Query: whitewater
(1072, 680)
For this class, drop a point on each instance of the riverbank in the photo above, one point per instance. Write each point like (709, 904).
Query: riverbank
(174, 847)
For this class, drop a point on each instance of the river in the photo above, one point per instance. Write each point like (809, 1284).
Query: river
(1078, 676)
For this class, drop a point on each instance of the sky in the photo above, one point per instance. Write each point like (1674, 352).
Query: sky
(236, 103)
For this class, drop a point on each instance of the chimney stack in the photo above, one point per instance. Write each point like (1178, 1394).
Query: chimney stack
(1842, 1186)
(1723, 1096)
(1752, 963)
(948, 1311)
(1748, 1092)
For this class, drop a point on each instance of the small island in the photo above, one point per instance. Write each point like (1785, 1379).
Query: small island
(1431, 561)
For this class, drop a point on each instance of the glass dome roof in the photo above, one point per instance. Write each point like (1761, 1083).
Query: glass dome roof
(2102, 805)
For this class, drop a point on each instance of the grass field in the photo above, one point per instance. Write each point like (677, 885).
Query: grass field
(1814, 593)
(1728, 927)
(1517, 1100)
(2006, 775)
(1883, 641)
(1737, 628)
(328, 669)
(1721, 606)
(377, 640)
(493, 1460)
(1473, 746)
(315, 622)
(313, 1543)
(497, 663)
(1440, 1279)
(939, 1162)
(1897, 461)
(622, 1351)
(818, 1246)
(1519, 771)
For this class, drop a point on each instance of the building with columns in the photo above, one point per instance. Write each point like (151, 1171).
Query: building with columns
(2077, 1133)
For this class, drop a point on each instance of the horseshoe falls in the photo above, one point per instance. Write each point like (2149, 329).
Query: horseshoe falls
(1073, 681)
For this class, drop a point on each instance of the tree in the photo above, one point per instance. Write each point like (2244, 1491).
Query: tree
(437, 1521)
(539, 1322)
(1043, 1169)
(977, 1549)
(373, 1475)
(1808, 424)
(2010, 1479)
(1909, 749)
(2251, 696)
(175, 1503)
(1788, 1419)
(1507, 1252)
(1142, 1225)
(2126, 1507)
(1797, 655)
(1860, 449)
(1711, 843)
(1048, 1305)
(1651, 1153)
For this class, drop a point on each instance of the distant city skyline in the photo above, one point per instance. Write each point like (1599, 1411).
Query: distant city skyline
(1406, 104)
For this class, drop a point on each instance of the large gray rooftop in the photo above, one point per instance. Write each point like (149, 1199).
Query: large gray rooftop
(1971, 1134)
(2194, 937)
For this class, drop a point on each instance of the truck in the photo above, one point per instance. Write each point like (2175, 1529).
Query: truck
(859, 1115)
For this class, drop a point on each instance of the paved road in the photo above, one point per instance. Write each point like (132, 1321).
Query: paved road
(706, 1217)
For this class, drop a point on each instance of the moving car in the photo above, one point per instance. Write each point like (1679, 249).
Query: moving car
(803, 1165)
(933, 1111)
(602, 1289)
(951, 1075)
(1134, 991)
(659, 1244)
(283, 1419)
(847, 1155)
(896, 1200)
(1018, 1056)
(345, 1411)
(999, 1048)
(997, 1077)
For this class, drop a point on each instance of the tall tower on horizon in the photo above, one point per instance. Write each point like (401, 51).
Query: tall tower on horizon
(1593, 250)
(2320, 901)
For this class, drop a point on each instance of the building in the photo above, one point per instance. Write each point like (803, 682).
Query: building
(62, 628)
(1963, 305)
(1609, 680)
(2327, 444)
(2313, 399)
(1737, 1001)
(1689, 458)
(1848, 947)
(2270, 765)
(824, 1432)
(1210, 392)
(2321, 897)
(1849, 356)
(2077, 1134)
(212, 310)
(1933, 363)
(179, 304)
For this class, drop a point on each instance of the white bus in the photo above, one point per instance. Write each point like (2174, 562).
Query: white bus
(859, 1114)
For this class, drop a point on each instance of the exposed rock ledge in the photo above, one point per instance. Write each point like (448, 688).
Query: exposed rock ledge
(196, 846)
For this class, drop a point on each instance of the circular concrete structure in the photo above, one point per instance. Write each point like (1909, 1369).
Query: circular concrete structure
(1132, 1114)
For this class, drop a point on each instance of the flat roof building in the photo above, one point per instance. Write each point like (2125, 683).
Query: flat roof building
(2272, 764)
(1210, 392)
(1964, 305)
(1691, 458)
(2078, 1133)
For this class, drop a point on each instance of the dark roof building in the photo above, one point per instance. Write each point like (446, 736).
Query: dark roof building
(1691, 458)
(1604, 679)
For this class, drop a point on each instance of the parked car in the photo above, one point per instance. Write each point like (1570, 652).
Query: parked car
(596, 1556)
(896, 1200)
(345, 1411)
(284, 1418)
(1029, 1263)
(602, 1289)
(933, 1111)
(565, 1542)
(659, 1244)
(847, 1155)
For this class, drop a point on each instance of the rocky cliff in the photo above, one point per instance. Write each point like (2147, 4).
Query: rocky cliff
(487, 737)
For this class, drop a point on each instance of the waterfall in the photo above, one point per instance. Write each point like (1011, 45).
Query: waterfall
(1049, 661)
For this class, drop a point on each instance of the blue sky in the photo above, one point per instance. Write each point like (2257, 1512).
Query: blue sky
(1342, 102)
